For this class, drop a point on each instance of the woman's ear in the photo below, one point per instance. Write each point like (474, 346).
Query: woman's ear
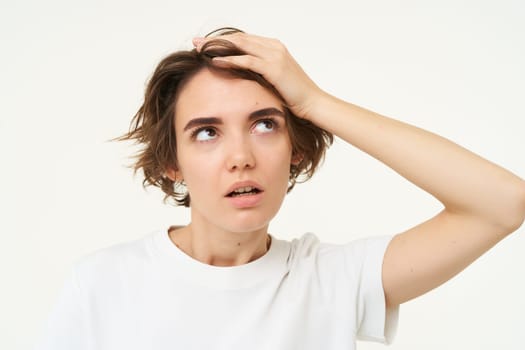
(173, 174)
(297, 159)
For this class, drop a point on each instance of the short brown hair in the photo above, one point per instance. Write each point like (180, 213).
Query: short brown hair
(153, 126)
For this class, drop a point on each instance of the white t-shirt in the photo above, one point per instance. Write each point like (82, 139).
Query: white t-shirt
(148, 294)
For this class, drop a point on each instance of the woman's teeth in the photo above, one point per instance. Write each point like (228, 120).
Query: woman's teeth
(244, 191)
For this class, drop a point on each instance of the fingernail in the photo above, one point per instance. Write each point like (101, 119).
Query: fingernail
(196, 41)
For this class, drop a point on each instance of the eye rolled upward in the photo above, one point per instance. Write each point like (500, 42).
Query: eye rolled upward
(264, 126)
(204, 134)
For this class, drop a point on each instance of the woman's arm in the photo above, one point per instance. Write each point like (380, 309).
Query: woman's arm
(483, 202)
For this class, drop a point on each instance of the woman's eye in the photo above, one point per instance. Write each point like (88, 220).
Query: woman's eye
(205, 134)
(265, 125)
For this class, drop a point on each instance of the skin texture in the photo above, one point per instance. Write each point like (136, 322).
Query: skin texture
(483, 202)
(215, 155)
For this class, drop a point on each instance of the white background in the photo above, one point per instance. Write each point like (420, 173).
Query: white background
(72, 75)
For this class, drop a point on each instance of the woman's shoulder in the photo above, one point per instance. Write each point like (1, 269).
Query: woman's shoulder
(117, 257)
(309, 244)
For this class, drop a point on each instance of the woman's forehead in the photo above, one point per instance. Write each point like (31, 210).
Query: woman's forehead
(209, 92)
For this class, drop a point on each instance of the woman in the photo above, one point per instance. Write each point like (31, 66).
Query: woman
(227, 129)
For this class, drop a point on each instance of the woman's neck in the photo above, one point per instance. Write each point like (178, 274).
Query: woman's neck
(220, 248)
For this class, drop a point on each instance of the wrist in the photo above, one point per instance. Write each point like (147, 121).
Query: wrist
(319, 105)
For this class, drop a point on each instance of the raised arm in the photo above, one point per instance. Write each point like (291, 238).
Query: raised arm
(483, 202)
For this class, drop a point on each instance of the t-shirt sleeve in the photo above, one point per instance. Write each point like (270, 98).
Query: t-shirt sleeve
(374, 321)
(65, 328)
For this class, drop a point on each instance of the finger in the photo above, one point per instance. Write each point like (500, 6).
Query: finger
(254, 45)
(251, 44)
(249, 62)
(198, 42)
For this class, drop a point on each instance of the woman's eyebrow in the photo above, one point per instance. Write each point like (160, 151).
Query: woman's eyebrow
(266, 112)
(218, 121)
(202, 121)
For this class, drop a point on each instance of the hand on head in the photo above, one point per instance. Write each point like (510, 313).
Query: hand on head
(271, 59)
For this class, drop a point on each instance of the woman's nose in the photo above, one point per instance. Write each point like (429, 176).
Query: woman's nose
(240, 156)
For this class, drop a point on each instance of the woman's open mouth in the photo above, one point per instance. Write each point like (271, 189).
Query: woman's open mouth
(244, 191)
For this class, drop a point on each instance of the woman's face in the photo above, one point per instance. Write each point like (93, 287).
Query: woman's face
(234, 152)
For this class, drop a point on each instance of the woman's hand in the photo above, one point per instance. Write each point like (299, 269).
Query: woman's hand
(271, 59)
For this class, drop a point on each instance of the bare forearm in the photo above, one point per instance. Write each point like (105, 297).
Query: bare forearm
(461, 180)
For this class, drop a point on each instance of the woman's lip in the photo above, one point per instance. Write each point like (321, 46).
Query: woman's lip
(247, 200)
(241, 184)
